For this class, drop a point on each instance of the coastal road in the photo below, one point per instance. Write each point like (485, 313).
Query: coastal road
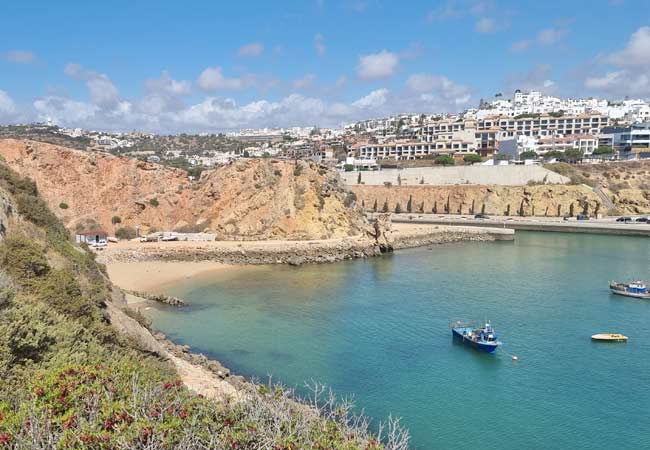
(557, 224)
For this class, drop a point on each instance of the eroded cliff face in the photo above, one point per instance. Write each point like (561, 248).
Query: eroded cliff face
(541, 200)
(254, 199)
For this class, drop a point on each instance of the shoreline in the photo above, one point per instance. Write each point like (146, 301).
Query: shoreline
(151, 267)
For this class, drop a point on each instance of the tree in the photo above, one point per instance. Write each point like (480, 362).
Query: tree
(483, 209)
(435, 208)
(399, 179)
(559, 210)
(385, 207)
(448, 206)
(116, 219)
(374, 206)
(597, 209)
(521, 208)
(421, 209)
(359, 178)
(571, 210)
(444, 160)
(508, 210)
(472, 158)
(471, 210)
(554, 154)
(573, 154)
(603, 151)
(529, 154)
(125, 233)
(409, 205)
(398, 208)
(63, 205)
(585, 208)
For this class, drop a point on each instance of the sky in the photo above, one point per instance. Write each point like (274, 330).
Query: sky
(209, 66)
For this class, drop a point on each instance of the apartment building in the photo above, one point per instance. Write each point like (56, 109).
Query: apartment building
(585, 142)
(410, 150)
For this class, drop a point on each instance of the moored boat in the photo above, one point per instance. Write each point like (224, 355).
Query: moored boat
(609, 337)
(481, 338)
(636, 289)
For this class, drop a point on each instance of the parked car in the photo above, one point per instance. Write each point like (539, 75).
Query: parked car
(566, 218)
(582, 217)
(641, 219)
(481, 216)
(624, 219)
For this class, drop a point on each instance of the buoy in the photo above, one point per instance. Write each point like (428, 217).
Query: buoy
(514, 358)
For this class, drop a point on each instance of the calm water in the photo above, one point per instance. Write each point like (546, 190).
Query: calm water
(378, 329)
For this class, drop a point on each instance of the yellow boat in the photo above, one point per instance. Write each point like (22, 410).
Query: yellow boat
(609, 337)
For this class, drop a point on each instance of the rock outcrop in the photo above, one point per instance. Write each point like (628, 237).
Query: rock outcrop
(250, 199)
(538, 200)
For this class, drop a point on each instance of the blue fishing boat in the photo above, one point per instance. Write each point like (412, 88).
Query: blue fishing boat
(636, 289)
(481, 338)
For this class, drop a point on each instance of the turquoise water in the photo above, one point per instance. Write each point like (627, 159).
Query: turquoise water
(378, 329)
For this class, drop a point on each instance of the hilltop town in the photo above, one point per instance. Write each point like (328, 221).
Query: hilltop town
(528, 128)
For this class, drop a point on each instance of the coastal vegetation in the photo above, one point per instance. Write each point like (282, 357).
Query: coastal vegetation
(70, 380)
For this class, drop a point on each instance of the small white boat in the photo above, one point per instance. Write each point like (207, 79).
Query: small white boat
(609, 337)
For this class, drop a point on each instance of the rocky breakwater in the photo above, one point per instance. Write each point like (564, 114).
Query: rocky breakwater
(160, 298)
(411, 235)
(247, 252)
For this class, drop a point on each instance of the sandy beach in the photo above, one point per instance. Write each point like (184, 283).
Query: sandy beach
(150, 267)
(151, 276)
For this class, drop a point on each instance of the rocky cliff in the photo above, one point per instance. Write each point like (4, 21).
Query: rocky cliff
(540, 200)
(252, 199)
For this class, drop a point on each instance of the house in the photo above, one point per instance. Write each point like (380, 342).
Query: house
(97, 238)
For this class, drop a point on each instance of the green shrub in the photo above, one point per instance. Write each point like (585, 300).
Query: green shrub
(154, 202)
(125, 233)
(472, 158)
(63, 205)
(116, 219)
(445, 160)
(22, 259)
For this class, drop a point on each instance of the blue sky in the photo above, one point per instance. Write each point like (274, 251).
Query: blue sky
(208, 66)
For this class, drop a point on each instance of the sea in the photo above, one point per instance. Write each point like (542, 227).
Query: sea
(378, 330)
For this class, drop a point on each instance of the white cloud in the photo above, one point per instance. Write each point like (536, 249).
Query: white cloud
(539, 78)
(166, 84)
(304, 82)
(621, 83)
(377, 65)
(636, 52)
(521, 46)
(630, 76)
(20, 56)
(341, 81)
(102, 90)
(455, 9)
(319, 44)
(373, 100)
(251, 50)
(7, 105)
(212, 79)
(550, 36)
(64, 111)
(439, 88)
(485, 25)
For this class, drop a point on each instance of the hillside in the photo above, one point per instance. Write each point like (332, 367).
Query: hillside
(251, 199)
(70, 380)
(627, 184)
